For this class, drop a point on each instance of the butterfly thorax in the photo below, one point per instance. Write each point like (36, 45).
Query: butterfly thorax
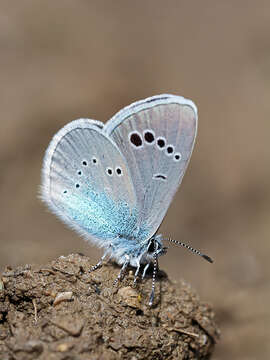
(136, 252)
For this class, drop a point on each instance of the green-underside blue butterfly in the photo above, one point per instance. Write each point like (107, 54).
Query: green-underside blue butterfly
(113, 183)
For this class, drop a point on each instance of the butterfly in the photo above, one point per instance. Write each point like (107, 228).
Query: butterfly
(113, 182)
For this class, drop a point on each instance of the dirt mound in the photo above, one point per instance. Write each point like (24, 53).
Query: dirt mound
(60, 311)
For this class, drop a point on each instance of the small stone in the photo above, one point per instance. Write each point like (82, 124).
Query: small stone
(64, 347)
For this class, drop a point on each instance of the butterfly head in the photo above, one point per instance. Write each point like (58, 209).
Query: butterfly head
(155, 248)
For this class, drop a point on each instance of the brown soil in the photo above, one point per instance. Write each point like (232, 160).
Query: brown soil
(60, 311)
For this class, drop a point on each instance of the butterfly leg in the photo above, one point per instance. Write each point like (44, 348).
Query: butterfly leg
(137, 272)
(122, 271)
(144, 270)
(99, 264)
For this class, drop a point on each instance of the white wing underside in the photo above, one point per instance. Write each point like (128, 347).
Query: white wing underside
(149, 176)
(173, 118)
(77, 187)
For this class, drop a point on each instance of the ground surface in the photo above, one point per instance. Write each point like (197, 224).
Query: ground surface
(60, 311)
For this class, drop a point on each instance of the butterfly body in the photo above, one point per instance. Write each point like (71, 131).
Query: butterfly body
(113, 183)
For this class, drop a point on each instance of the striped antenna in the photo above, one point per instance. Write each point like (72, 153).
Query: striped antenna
(197, 252)
(151, 300)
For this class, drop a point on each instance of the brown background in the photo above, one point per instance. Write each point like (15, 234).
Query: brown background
(60, 60)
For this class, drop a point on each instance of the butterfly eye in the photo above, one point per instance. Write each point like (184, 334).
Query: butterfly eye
(151, 247)
(135, 139)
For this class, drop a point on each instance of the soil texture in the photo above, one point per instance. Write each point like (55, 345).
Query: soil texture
(61, 311)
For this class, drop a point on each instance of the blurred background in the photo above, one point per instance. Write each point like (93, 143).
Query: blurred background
(61, 60)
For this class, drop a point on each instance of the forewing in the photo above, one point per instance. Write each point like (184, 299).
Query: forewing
(156, 137)
(86, 182)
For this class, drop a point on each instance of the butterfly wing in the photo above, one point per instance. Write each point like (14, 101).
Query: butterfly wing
(156, 136)
(86, 182)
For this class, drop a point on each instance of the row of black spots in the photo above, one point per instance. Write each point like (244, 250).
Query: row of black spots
(94, 161)
(76, 186)
(170, 152)
(109, 172)
(85, 163)
(149, 138)
(137, 140)
(117, 170)
(161, 143)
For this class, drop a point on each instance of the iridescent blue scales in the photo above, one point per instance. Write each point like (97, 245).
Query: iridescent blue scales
(113, 183)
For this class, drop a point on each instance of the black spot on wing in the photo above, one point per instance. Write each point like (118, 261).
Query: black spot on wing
(136, 139)
(161, 143)
(160, 176)
(149, 136)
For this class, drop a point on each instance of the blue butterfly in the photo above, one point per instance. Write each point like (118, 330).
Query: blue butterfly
(113, 183)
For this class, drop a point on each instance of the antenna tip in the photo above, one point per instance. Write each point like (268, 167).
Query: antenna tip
(151, 300)
(208, 258)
